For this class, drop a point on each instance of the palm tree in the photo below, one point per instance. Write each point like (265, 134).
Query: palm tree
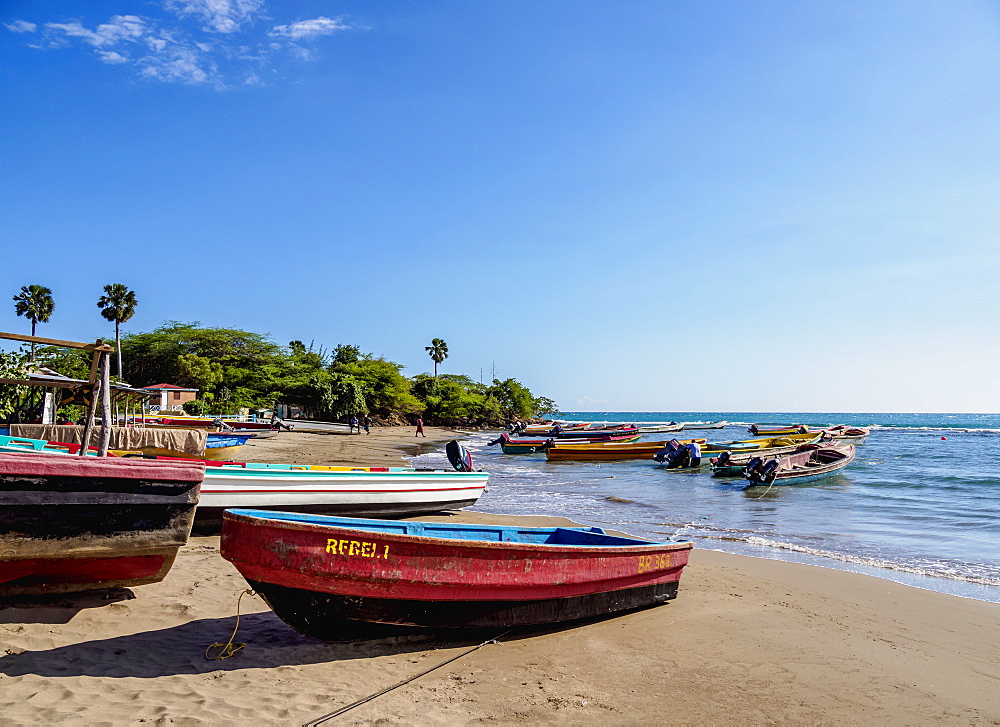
(438, 351)
(34, 303)
(117, 304)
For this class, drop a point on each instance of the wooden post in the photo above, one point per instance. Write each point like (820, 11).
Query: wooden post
(88, 427)
(105, 405)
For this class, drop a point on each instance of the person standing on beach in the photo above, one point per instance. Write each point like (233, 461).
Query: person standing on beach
(352, 424)
(366, 422)
(420, 428)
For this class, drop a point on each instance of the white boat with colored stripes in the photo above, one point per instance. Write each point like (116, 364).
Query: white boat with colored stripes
(325, 489)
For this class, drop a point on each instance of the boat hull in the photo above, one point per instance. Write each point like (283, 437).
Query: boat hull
(611, 451)
(332, 617)
(321, 578)
(796, 469)
(75, 524)
(363, 492)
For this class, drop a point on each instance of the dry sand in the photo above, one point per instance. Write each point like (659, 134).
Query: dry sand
(746, 641)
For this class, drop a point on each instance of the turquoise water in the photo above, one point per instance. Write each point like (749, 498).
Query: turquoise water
(919, 505)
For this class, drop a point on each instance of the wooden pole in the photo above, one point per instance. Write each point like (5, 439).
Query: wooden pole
(105, 404)
(88, 427)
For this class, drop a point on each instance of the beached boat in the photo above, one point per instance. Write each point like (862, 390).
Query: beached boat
(306, 488)
(218, 446)
(531, 446)
(84, 523)
(336, 490)
(704, 425)
(208, 423)
(776, 430)
(562, 451)
(326, 577)
(801, 467)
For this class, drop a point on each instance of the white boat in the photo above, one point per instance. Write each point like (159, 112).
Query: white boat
(704, 425)
(672, 427)
(312, 488)
(843, 434)
(336, 490)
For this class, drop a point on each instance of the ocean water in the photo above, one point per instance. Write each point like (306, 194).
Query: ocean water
(919, 505)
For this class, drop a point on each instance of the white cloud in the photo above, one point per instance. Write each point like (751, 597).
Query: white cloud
(220, 45)
(21, 26)
(110, 56)
(309, 29)
(219, 16)
(179, 65)
(120, 28)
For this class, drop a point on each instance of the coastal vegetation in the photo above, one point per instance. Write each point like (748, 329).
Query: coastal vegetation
(235, 369)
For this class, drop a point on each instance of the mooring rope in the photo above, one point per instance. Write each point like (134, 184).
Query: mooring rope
(397, 685)
(228, 649)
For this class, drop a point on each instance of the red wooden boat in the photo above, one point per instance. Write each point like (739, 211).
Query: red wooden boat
(329, 576)
(83, 523)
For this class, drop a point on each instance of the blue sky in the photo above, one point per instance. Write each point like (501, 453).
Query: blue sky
(777, 206)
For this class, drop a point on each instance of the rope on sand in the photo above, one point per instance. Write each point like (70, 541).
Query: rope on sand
(370, 697)
(229, 649)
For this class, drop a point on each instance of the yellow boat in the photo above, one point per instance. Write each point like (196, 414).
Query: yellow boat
(748, 445)
(609, 450)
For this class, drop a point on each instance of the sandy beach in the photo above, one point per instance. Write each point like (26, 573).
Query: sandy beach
(746, 641)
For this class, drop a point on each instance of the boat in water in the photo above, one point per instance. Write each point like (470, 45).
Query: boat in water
(661, 428)
(704, 425)
(329, 577)
(794, 469)
(844, 434)
(776, 430)
(531, 446)
(731, 462)
(562, 451)
(72, 523)
(714, 449)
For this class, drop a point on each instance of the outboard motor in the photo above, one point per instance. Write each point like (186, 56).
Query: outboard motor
(750, 470)
(502, 438)
(548, 443)
(669, 450)
(769, 471)
(459, 456)
(723, 459)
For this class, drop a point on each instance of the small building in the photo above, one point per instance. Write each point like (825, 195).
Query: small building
(170, 397)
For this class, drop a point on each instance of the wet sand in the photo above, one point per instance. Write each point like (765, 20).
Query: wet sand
(746, 641)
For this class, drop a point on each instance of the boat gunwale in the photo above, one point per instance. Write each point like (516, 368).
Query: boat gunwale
(623, 550)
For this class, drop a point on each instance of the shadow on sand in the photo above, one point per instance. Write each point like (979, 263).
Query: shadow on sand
(269, 643)
(59, 608)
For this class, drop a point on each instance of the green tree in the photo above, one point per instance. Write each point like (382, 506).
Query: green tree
(438, 351)
(13, 365)
(35, 303)
(346, 354)
(514, 399)
(117, 304)
(198, 372)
